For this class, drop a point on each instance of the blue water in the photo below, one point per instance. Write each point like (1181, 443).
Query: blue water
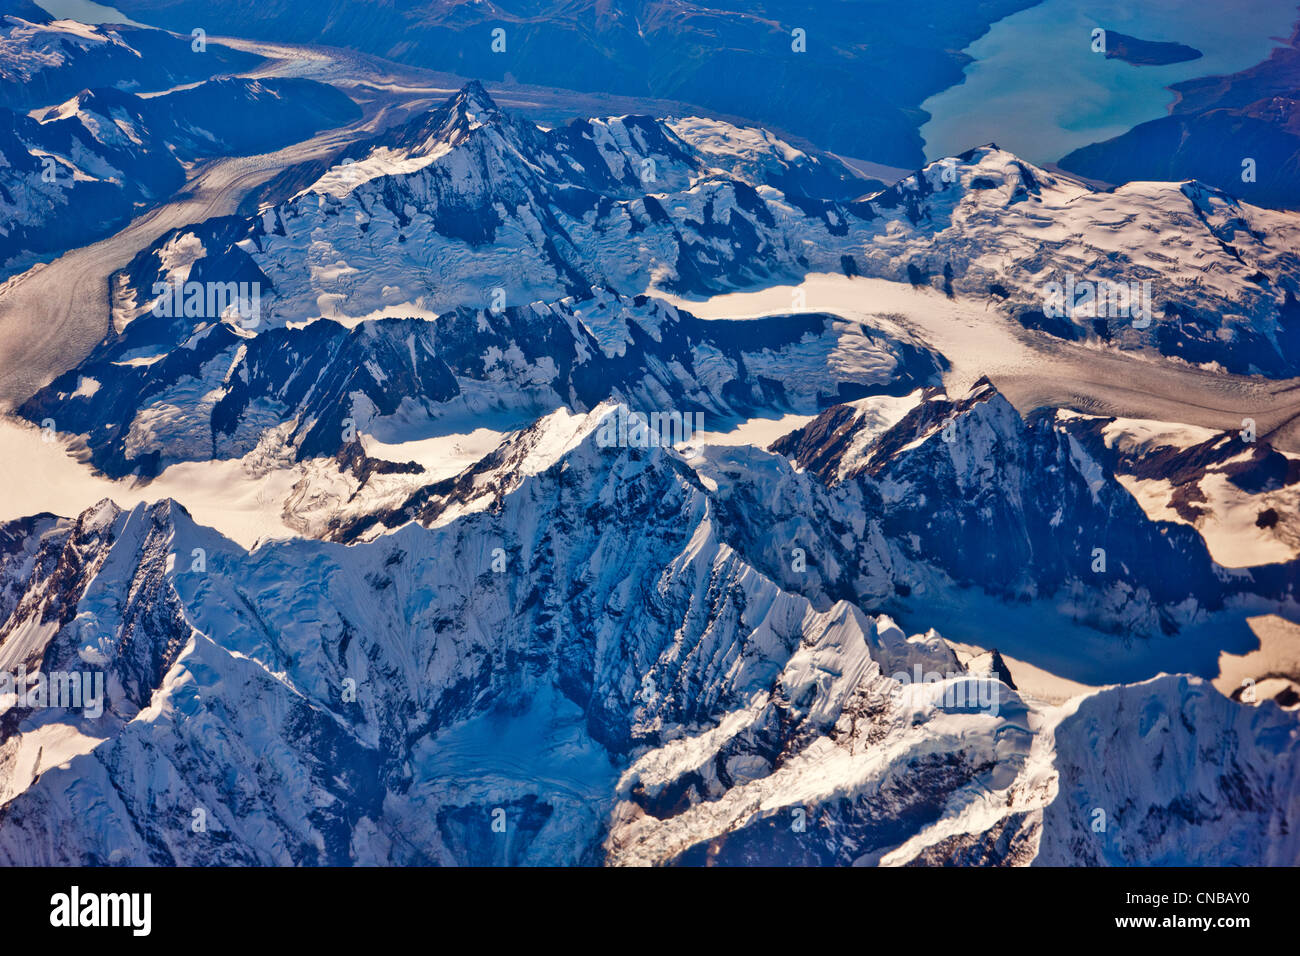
(1037, 89)
(84, 11)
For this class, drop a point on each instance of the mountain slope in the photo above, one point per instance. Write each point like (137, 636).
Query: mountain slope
(1215, 126)
(467, 206)
(655, 705)
(225, 389)
(1017, 506)
(109, 154)
(44, 62)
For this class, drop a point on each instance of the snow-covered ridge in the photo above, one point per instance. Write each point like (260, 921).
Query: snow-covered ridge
(224, 392)
(661, 704)
(81, 168)
(471, 206)
(456, 590)
(1019, 506)
(1240, 493)
(42, 63)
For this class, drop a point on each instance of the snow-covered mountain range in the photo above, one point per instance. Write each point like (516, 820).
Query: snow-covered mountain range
(45, 61)
(658, 704)
(495, 619)
(466, 200)
(224, 389)
(80, 170)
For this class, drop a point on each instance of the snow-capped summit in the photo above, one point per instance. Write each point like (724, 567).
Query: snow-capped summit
(471, 206)
(448, 126)
(1017, 506)
(433, 526)
(659, 704)
(306, 390)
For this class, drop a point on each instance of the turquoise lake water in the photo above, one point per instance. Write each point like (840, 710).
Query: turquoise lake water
(1037, 89)
(84, 10)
